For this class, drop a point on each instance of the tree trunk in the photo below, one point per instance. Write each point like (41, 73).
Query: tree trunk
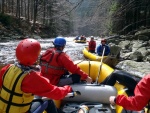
(3, 5)
(28, 9)
(21, 8)
(12, 6)
(44, 11)
(35, 13)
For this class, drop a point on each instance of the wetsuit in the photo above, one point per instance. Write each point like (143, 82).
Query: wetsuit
(123, 78)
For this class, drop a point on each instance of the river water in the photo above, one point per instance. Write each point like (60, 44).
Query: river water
(74, 50)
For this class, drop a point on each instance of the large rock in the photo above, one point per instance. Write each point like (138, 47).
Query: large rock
(145, 32)
(124, 44)
(137, 45)
(139, 69)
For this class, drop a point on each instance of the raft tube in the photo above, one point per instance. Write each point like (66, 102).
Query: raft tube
(92, 56)
(92, 93)
(95, 69)
(80, 41)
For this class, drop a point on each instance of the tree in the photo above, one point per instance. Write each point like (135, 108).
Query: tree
(136, 14)
(3, 5)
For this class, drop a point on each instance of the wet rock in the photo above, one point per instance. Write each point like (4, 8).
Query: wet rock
(137, 45)
(143, 37)
(114, 50)
(139, 69)
(124, 44)
(145, 32)
(136, 56)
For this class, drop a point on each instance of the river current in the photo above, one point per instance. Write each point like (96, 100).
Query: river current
(74, 50)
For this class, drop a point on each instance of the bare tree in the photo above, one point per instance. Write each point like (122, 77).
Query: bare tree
(136, 13)
(3, 6)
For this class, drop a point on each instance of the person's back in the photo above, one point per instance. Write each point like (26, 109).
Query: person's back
(55, 61)
(101, 47)
(55, 64)
(92, 45)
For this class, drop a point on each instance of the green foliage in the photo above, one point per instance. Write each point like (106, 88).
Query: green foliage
(5, 19)
(109, 25)
(113, 8)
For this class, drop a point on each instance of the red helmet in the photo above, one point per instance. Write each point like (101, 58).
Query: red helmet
(103, 40)
(27, 51)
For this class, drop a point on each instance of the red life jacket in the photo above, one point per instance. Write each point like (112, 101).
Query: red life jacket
(51, 67)
(49, 62)
(92, 45)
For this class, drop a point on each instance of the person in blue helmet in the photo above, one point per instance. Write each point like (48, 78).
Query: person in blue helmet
(101, 47)
(56, 65)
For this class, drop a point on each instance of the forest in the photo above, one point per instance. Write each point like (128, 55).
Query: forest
(75, 17)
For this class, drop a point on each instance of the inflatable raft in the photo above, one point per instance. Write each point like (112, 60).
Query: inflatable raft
(80, 41)
(92, 68)
(109, 60)
(95, 93)
(92, 56)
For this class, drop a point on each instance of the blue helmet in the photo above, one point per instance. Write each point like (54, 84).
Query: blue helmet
(59, 41)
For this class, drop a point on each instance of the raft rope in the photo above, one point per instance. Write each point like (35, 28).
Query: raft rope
(89, 68)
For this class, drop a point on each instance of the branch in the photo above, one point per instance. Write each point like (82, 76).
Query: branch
(132, 24)
(79, 3)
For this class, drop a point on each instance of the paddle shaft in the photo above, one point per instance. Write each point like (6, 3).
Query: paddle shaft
(100, 66)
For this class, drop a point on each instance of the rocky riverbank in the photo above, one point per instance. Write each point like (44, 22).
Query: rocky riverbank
(134, 52)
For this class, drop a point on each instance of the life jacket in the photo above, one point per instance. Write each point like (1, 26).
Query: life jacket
(49, 62)
(12, 98)
(92, 45)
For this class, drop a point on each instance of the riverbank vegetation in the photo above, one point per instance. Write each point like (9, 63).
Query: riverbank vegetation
(49, 18)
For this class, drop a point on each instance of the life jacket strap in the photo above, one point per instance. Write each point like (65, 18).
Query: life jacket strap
(14, 104)
(53, 67)
(9, 91)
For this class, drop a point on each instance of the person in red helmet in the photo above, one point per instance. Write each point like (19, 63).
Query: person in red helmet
(101, 47)
(92, 45)
(55, 65)
(19, 82)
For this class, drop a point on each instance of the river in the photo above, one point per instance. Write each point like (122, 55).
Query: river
(74, 50)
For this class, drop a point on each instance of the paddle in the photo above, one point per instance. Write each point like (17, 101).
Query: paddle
(100, 66)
